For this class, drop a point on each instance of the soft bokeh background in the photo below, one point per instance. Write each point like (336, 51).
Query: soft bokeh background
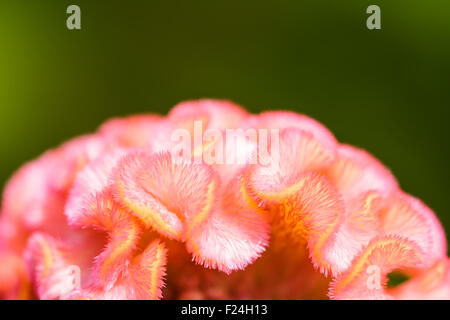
(387, 90)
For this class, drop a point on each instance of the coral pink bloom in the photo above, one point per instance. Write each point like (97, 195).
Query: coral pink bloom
(218, 114)
(132, 131)
(119, 215)
(14, 280)
(34, 198)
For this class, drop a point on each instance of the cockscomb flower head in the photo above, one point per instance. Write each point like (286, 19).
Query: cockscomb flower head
(211, 202)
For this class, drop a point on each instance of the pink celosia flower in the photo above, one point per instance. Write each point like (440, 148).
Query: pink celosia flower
(312, 219)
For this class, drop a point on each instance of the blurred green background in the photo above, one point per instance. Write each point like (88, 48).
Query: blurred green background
(385, 90)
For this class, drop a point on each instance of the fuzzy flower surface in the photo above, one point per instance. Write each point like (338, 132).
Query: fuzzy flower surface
(211, 202)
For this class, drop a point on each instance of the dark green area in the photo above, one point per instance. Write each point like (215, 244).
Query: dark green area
(386, 90)
(395, 278)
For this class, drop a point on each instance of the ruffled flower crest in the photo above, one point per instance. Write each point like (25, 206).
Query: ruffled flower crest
(118, 215)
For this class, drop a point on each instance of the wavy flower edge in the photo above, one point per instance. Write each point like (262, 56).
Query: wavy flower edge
(310, 218)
